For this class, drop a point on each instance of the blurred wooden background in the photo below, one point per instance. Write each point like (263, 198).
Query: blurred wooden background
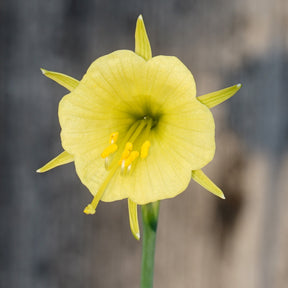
(46, 240)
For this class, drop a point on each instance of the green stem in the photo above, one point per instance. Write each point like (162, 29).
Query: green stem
(150, 214)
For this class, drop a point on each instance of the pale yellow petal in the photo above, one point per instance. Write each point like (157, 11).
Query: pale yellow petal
(159, 176)
(61, 159)
(62, 79)
(93, 174)
(142, 44)
(189, 133)
(204, 181)
(133, 219)
(120, 88)
(215, 98)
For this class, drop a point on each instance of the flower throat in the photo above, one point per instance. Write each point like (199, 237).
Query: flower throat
(134, 144)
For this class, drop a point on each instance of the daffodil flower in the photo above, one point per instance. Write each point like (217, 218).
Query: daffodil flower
(135, 129)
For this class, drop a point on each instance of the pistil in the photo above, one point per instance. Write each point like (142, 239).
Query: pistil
(139, 130)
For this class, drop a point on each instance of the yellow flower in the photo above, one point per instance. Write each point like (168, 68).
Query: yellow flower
(135, 129)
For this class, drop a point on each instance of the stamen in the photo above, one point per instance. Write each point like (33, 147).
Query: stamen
(132, 157)
(138, 130)
(129, 168)
(126, 164)
(127, 151)
(144, 149)
(122, 167)
(115, 161)
(107, 162)
(109, 150)
(114, 137)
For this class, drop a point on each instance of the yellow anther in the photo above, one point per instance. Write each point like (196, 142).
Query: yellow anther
(133, 156)
(145, 148)
(109, 150)
(113, 137)
(127, 151)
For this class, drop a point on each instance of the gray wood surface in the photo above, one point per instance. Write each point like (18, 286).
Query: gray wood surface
(45, 239)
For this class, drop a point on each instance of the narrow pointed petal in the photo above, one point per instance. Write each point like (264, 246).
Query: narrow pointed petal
(61, 159)
(62, 79)
(142, 44)
(204, 181)
(215, 98)
(133, 218)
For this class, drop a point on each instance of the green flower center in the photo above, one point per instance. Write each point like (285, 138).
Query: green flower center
(145, 110)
